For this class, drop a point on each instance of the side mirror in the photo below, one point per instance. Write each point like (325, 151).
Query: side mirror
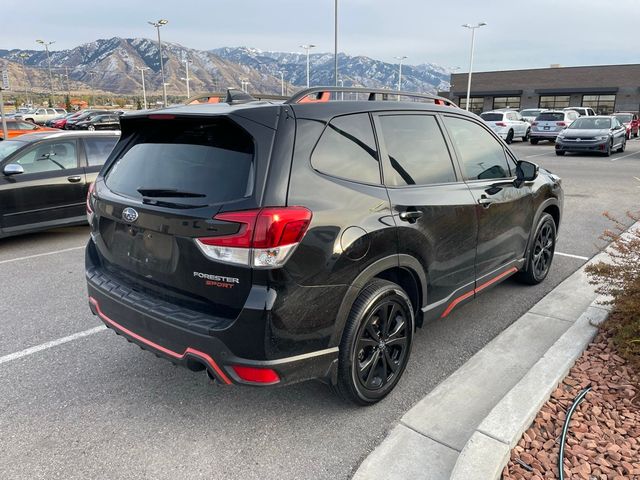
(13, 169)
(525, 172)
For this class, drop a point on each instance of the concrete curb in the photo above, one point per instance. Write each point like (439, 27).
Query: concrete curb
(466, 426)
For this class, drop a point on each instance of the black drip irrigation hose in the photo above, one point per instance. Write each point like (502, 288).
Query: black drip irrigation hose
(576, 402)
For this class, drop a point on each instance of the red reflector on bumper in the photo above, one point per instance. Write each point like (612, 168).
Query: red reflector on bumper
(256, 375)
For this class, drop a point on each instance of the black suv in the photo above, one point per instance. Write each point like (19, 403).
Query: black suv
(269, 243)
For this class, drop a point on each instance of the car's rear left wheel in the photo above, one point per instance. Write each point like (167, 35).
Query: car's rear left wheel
(376, 343)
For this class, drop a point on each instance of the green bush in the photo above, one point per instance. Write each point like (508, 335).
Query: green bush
(619, 278)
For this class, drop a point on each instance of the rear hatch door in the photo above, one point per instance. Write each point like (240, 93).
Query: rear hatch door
(551, 122)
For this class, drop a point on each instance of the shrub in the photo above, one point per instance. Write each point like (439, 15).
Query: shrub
(619, 278)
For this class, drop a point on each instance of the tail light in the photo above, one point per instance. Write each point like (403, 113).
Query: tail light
(561, 124)
(501, 124)
(533, 124)
(266, 238)
(90, 198)
(265, 376)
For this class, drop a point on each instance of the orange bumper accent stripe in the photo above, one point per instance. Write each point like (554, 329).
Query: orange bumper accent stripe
(189, 351)
(463, 297)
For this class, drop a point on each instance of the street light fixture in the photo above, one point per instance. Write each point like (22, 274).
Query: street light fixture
(473, 29)
(403, 57)
(46, 48)
(157, 25)
(282, 83)
(307, 48)
(186, 66)
(335, 41)
(144, 90)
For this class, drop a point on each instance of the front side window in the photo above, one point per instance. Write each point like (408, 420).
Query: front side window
(51, 156)
(417, 151)
(347, 149)
(482, 156)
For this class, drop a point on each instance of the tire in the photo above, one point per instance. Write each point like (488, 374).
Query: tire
(540, 256)
(533, 141)
(91, 127)
(526, 135)
(29, 120)
(607, 152)
(560, 153)
(622, 146)
(636, 134)
(509, 138)
(366, 356)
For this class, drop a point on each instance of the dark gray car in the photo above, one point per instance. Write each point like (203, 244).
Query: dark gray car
(601, 134)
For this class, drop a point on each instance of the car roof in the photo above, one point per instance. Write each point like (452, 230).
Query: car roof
(36, 136)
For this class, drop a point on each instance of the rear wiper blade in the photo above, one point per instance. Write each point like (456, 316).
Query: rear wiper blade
(162, 203)
(168, 192)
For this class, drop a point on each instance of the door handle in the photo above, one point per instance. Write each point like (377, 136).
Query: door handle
(410, 216)
(485, 201)
(74, 178)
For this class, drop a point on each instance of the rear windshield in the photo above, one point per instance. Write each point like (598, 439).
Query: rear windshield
(550, 117)
(624, 117)
(189, 162)
(491, 117)
(591, 123)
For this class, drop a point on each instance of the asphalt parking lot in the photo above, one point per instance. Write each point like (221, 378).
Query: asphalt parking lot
(98, 407)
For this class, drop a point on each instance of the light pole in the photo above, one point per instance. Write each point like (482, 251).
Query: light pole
(157, 25)
(144, 90)
(46, 48)
(186, 66)
(93, 87)
(403, 57)
(335, 41)
(473, 29)
(341, 81)
(282, 83)
(307, 48)
(23, 57)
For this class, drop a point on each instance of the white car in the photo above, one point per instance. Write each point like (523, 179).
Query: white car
(583, 111)
(40, 115)
(507, 124)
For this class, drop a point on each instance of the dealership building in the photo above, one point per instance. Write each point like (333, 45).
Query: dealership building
(605, 88)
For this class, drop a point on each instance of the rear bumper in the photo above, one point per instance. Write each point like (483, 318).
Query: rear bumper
(196, 341)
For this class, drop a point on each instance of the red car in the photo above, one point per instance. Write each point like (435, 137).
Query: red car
(61, 122)
(630, 121)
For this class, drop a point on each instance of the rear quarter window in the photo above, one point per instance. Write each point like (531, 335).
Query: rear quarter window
(211, 161)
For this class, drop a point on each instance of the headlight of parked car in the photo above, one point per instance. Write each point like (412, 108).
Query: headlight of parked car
(603, 137)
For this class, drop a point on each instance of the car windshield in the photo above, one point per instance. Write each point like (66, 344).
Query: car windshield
(591, 123)
(491, 117)
(9, 146)
(550, 117)
(624, 117)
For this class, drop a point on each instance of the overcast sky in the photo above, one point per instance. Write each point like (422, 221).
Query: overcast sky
(519, 34)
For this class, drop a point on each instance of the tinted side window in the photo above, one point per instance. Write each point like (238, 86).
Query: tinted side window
(417, 151)
(98, 149)
(347, 149)
(482, 156)
(53, 156)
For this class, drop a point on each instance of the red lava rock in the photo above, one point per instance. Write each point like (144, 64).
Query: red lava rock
(603, 440)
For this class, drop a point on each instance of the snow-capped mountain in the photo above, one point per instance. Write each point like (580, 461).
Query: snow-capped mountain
(112, 65)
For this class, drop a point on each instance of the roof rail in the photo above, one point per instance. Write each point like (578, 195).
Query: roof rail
(323, 94)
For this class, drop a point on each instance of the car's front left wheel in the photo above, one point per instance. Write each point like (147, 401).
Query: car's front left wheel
(540, 257)
(376, 343)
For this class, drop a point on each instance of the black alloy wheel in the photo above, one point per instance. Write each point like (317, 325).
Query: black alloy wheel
(376, 343)
(607, 152)
(541, 252)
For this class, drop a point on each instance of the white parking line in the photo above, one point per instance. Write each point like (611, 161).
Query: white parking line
(538, 155)
(51, 344)
(40, 255)
(579, 257)
(624, 156)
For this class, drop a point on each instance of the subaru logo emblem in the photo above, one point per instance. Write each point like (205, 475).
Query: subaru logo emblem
(129, 215)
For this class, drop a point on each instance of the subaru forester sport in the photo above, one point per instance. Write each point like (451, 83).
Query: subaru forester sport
(269, 243)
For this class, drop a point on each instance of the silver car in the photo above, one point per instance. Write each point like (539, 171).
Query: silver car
(600, 134)
(550, 123)
(530, 114)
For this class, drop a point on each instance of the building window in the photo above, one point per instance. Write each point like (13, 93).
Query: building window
(506, 102)
(476, 104)
(554, 101)
(602, 104)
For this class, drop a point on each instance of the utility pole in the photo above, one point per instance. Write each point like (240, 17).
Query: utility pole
(335, 42)
(4, 85)
(473, 29)
(46, 48)
(144, 91)
(93, 88)
(307, 48)
(282, 83)
(23, 57)
(157, 25)
(186, 65)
